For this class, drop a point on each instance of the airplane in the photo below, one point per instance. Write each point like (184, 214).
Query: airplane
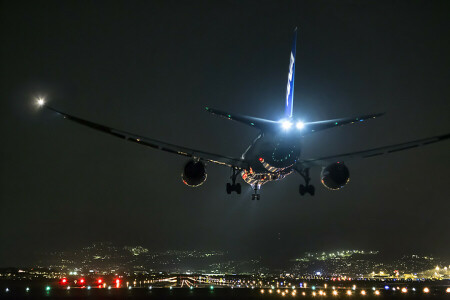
(274, 154)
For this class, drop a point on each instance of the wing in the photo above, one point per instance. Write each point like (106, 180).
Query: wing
(206, 156)
(324, 161)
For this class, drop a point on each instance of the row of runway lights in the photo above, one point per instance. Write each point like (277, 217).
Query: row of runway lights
(376, 292)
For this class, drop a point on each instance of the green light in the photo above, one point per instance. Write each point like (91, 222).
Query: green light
(47, 288)
(336, 123)
(229, 116)
(211, 287)
(252, 124)
(207, 108)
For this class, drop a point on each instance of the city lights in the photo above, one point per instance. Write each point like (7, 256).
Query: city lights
(377, 292)
(363, 292)
(404, 290)
(426, 290)
(335, 293)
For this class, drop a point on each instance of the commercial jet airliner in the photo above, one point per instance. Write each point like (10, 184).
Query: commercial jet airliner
(274, 154)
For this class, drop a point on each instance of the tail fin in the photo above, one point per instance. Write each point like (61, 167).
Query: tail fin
(290, 84)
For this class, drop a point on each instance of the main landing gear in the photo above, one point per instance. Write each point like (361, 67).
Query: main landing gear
(233, 186)
(307, 188)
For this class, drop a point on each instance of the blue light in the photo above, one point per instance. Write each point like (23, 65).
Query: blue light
(386, 287)
(313, 288)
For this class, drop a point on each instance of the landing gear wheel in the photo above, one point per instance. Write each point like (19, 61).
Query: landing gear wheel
(302, 189)
(233, 187)
(311, 190)
(229, 189)
(307, 188)
(253, 196)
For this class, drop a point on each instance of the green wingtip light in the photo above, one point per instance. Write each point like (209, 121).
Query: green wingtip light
(211, 287)
(47, 288)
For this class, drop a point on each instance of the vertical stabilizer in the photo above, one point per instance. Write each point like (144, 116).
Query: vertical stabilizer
(290, 84)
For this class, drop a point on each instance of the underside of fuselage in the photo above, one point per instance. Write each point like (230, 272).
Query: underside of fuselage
(271, 158)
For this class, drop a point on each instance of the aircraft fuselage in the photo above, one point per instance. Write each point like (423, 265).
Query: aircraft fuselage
(271, 157)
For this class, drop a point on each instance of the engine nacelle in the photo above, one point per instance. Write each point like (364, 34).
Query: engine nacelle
(335, 176)
(194, 173)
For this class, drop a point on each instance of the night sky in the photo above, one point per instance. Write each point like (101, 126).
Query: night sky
(150, 67)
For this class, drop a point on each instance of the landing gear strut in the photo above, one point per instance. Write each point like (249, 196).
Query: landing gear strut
(307, 188)
(256, 195)
(233, 186)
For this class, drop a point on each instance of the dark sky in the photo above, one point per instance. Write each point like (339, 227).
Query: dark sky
(150, 67)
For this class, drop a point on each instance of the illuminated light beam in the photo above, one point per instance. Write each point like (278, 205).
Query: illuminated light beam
(40, 102)
(286, 124)
(300, 125)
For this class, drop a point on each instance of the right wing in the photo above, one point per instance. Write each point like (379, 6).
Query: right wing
(324, 161)
(206, 156)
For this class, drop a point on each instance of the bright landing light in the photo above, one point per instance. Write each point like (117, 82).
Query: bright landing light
(40, 101)
(286, 124)
(300, 125)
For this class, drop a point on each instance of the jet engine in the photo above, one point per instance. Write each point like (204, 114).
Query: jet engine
(335, 176)
(194, 173)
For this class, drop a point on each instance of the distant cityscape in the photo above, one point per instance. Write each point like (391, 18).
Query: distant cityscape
(109, 259)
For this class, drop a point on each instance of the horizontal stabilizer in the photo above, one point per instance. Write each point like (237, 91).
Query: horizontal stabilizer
(310, 127)
(259, 123)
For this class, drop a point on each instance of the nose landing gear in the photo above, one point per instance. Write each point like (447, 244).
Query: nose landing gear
(256, 195)
(233, 186)
(307, 188)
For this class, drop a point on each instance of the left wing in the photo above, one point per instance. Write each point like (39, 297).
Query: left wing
(206, 156)
(324, 161)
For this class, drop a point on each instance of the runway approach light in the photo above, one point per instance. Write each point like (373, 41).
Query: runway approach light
(40, 102)
(286, 124)
(300, 125)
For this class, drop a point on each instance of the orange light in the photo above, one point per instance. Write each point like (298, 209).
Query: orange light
(117, 283)
(377, 292)
(404, 290)
(426, 290)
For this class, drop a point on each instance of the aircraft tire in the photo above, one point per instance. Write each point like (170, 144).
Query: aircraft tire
(302, 189)
(311, 190)
(238, 188)
(228, 188)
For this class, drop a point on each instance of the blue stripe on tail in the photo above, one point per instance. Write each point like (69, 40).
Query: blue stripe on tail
(290, 84)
